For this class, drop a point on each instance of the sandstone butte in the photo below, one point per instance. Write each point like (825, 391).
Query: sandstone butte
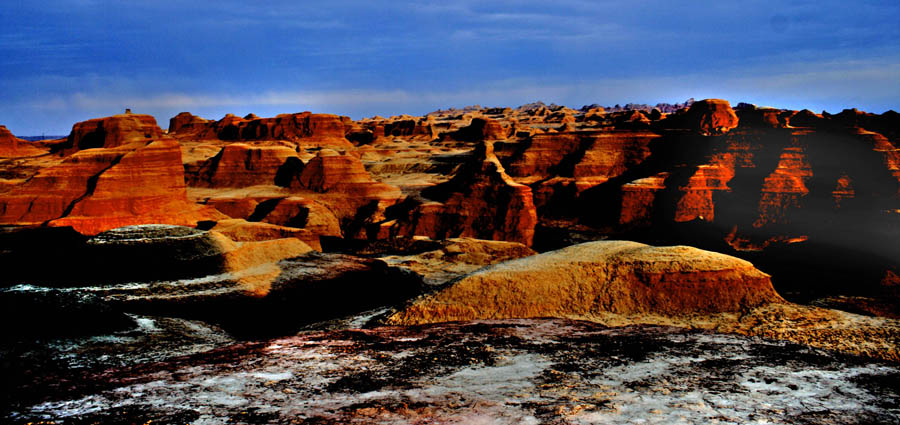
(620, 283)
(117, 171)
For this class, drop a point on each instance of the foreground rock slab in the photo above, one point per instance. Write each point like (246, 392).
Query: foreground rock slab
(508, 372)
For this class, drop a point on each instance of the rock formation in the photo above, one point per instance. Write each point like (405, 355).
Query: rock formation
(14, 147)
(595, 278)
(306, 129)
(480, 201)
(186, 122)
(711, 116)
(135, 180)
(111, 132)
(241, 165)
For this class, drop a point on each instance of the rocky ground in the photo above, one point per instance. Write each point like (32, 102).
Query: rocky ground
(514, 371)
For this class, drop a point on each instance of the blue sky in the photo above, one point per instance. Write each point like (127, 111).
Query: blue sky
(63, 61)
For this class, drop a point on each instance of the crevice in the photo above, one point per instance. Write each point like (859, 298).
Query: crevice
(91, 186)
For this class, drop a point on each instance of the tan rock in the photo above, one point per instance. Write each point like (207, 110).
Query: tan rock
(597, 278)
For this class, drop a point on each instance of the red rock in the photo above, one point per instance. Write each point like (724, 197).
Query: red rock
(305, 213)
(306, 129)
(638, 197)
(241, 164)
(761, 118)
(411, 129)
(711, 117)
(783, 188)
(330, 171)
(100, 189)
(186, 122)
(14, 147)
(480, 201)
(111, 132)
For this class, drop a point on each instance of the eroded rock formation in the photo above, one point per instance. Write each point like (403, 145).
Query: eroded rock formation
(595, 278)
(480, 201)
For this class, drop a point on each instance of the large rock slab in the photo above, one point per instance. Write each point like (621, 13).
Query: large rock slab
(599, 277)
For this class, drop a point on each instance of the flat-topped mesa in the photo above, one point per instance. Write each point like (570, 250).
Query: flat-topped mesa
(597, 279)
(136, 181)
(480, 201)
(111, 132)
(186, 122)
(305, 128)
(242, 165)
(14, 147)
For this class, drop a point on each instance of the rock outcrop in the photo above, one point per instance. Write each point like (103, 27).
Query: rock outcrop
(305, 129)
(480, 201)
(481, 128)
(597, 278)
(186, 122)
(709, 117)
(14, 147)
(451, 258)
(242, 164)
(111, 132)
(135, 180)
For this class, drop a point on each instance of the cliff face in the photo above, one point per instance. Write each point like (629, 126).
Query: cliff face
(117, 176)
(111, 132)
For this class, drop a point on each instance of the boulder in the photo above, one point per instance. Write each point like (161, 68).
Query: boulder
(596, 278)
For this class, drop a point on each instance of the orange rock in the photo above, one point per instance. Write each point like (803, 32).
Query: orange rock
(330, 171)
(186, 122)
(14, 147)
(305, 129)
(411, 129)
(111, 132)
(711, 117)
(304, 213)
(135, 181)
(481, 128)
(241, 164)
(480, 201)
